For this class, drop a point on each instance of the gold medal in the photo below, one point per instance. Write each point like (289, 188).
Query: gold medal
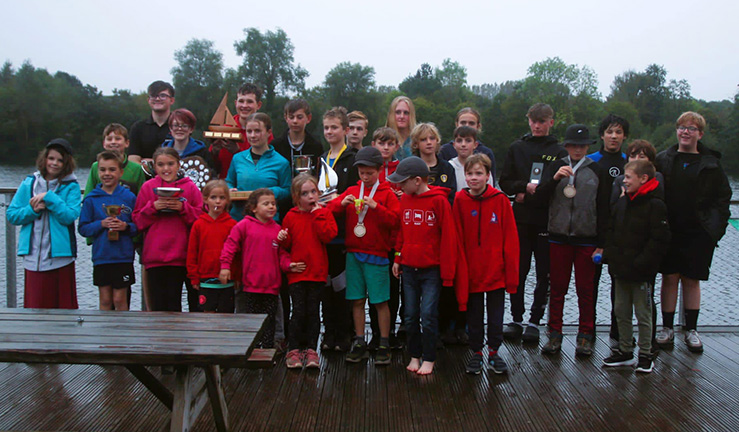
(569, 191)
(360, 230)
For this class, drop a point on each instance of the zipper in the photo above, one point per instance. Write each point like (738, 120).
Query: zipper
(479, 222)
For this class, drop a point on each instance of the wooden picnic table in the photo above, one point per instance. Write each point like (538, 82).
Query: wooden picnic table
(135, 340)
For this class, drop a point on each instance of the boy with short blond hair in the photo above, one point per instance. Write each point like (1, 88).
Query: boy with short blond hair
(115, 139)
(638, 239)
(358, 128)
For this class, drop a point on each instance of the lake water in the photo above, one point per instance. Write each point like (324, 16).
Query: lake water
(720, 296)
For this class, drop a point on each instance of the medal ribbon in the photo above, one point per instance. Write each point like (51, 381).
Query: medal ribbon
(365, 207)
(574, 170)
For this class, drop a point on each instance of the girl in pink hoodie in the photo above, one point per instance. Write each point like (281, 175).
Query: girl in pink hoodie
(166, 215)
(256, 237)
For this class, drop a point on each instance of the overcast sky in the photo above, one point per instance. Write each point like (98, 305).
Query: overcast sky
(127, 45)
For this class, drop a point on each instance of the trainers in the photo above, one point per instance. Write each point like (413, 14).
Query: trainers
(328, 342)
(342, 343)
(645, 364)
(619, 358)
(530, 334)
(462, 337)
(584, 345)
(512, 331)
(665, 337)
(293, 359)
(383, 356)
(358, 352)
(374, 343)
(498, 364)
(693, 341)
(474, 364)
(396, 342)
(311, 359)
(554, 345)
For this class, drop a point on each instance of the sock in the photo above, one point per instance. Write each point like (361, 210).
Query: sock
(668, 318)
(384, 342)
(691, 319)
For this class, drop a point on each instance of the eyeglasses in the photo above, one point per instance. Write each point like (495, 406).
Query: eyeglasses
(160, 96)
(691, 129)
(176, 126)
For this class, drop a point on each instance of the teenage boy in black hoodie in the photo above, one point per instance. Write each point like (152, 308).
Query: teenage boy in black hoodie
(613, 130)
(525, 163)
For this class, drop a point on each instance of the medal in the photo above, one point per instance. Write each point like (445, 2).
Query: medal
(569, 191)
(360, 230)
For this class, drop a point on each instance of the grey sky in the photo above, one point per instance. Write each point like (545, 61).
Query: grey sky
(127, 45)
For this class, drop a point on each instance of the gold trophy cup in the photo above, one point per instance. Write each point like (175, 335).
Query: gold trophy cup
(115, 211)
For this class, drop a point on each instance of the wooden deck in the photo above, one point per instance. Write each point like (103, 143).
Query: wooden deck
(686, 392)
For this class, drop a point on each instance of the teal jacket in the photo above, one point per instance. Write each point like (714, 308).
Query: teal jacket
(271, 171)
(63, 206)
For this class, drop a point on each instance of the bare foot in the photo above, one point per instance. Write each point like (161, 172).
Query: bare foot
(426, 368)
(414, 365)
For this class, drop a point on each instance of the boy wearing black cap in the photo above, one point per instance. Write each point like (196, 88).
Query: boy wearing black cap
(371, 212)
(578, 196)
(426, 256)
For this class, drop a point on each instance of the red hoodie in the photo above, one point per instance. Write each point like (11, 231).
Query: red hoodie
(207, 237)
(307, 235)
(427, 235)
(487, 228)
(380, 221)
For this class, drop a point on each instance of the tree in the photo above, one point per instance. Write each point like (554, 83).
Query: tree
(423, 83)
(268, 62)
(198, 79)
(349, 84)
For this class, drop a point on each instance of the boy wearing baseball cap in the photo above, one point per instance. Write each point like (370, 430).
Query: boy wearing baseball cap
(578, 195)
(371, 211)
(426, 256)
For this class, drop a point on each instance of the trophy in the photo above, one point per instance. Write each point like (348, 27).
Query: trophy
(327, 182)
(115, 211)
(195, 168)
(302, 164)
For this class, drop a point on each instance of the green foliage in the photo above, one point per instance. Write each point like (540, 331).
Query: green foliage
(198, 78)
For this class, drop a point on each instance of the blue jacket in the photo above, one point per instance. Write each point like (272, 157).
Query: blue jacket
(105, 251)
(195, 148)
(271, 171)
(63, 206)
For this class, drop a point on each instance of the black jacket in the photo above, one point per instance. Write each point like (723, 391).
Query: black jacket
(312, 147)
(443, 174)
(517, 174)
(345, 169)
(638, 237)
(712, 191)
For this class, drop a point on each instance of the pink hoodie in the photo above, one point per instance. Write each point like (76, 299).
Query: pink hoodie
(262, 258)
(166, 234)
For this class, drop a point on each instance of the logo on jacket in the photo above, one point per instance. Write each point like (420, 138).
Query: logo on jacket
(417, 217)
(444, 177)
(430, 217)
(473, 213)
(407, 216)
(614, 172)
(494, 218)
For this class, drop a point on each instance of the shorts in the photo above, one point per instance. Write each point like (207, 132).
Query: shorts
(118, 275)
(365, 280)
(690, 255)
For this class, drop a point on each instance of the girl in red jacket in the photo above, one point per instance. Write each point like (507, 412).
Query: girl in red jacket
(487, 229)
(207, 237)
(305, 231)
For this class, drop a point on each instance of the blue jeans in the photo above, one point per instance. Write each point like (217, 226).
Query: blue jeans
(421, 291)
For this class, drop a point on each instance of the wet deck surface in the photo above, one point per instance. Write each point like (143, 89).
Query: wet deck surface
(689, 392)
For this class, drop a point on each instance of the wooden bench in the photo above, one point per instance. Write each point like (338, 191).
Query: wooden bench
(135, 340)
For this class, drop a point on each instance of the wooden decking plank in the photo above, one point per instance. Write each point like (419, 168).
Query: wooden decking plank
(398, 398)
(309, 400)
(462, 388)
(334, 381)
(354, 398)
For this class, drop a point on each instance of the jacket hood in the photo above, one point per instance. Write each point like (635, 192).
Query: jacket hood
(434, 191)
(383, 186)
(254, 220)
(702, 149)
(69, 178)
(489, 193)
(193, 146)
(221, 217)
(645, 189)
(99, 192)
(549, 139)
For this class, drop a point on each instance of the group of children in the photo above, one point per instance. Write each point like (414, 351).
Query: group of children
(441, 227)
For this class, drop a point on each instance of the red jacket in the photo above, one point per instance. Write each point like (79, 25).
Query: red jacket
(489, 238)
(307, 235)
(207, 237)
(388, 168)
(380, 221)
(427, 235)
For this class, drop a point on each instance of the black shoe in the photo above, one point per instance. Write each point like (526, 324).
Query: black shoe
(554, 345)
(512, 331)
(343, 343)
(498, 364)
(383, 356)
(530, 334)
(396, 342)
(461, 335)
(358, 352)
(619, 358)
(645, 364)
(474, 364)
(584, 345)
(328, 342)
(374, 343)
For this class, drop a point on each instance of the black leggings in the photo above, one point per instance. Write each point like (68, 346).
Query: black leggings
(261, 303)
(165, 287)
(305, 322)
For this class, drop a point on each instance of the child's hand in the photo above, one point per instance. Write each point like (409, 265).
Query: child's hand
(196, 287)
(349, 199)
(317, 206)
(520, 197)
(371, 202)
(398, 193)
(175, 204)
(161, 204)
(596, 252)
(562, 172)
(396, 270)
(282, 235)
(531, 188)
(119, 225)
(224, 276)
(297, 267)
(37, 202)
(623, 191)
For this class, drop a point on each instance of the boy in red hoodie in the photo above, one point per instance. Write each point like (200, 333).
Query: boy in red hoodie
(426, 256)
(487, 229)
(371, 212)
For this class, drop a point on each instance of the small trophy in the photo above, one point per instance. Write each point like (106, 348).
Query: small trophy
(536, 171)
(327, 182)
(115, 211)
(302, 164)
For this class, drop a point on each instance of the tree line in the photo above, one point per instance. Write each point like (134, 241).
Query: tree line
(36, 106)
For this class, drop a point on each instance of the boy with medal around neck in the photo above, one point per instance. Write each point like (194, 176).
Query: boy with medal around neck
(371, 211)
(578, 195)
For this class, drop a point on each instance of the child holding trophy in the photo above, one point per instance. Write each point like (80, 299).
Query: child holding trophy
(106, 218)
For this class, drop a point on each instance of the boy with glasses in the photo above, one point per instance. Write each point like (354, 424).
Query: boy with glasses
(148, 134)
